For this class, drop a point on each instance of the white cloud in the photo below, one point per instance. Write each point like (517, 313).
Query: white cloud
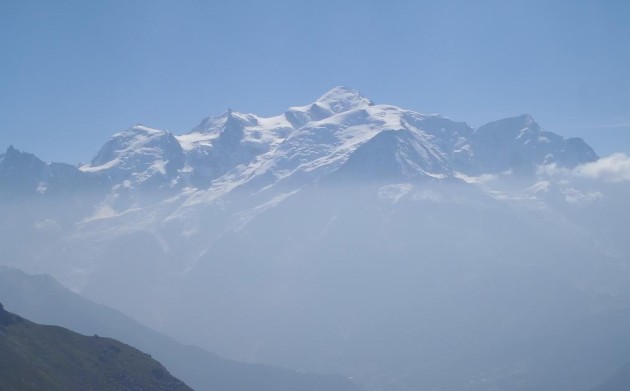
(613, 168)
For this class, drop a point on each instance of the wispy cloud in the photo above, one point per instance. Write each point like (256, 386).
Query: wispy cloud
(613, 168)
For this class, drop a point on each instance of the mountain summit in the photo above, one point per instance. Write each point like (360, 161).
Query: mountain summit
(341, 99)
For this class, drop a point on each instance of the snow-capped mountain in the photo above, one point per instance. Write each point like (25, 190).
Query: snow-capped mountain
(318, 139)
(138, 156)
(344, 128)
(519, 144)
(342, 134)
(346, 236)
(229, 169)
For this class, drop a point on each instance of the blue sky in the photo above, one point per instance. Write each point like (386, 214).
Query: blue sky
(72, 73)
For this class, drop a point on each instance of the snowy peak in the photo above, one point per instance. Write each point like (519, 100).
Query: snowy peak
(520, 145)
(509, 128)
(136, 140)
(336, 101)
(138, 154)
(233, 131)
(220, 144)
(230, 118)
(341, 99)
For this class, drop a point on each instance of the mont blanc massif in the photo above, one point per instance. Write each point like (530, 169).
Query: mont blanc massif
(390, 249)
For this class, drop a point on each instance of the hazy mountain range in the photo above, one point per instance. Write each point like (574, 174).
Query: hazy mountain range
(42, 299)
(404, 250)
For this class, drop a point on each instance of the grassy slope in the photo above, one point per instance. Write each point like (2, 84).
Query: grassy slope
(37, 357)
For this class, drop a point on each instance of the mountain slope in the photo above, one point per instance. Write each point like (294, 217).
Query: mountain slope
(423, 281)
(43, 299)
(37, 357)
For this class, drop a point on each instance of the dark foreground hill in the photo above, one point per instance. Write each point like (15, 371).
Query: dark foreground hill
(38, 357)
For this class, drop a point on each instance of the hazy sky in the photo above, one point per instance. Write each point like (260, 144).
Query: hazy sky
(74, 72)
